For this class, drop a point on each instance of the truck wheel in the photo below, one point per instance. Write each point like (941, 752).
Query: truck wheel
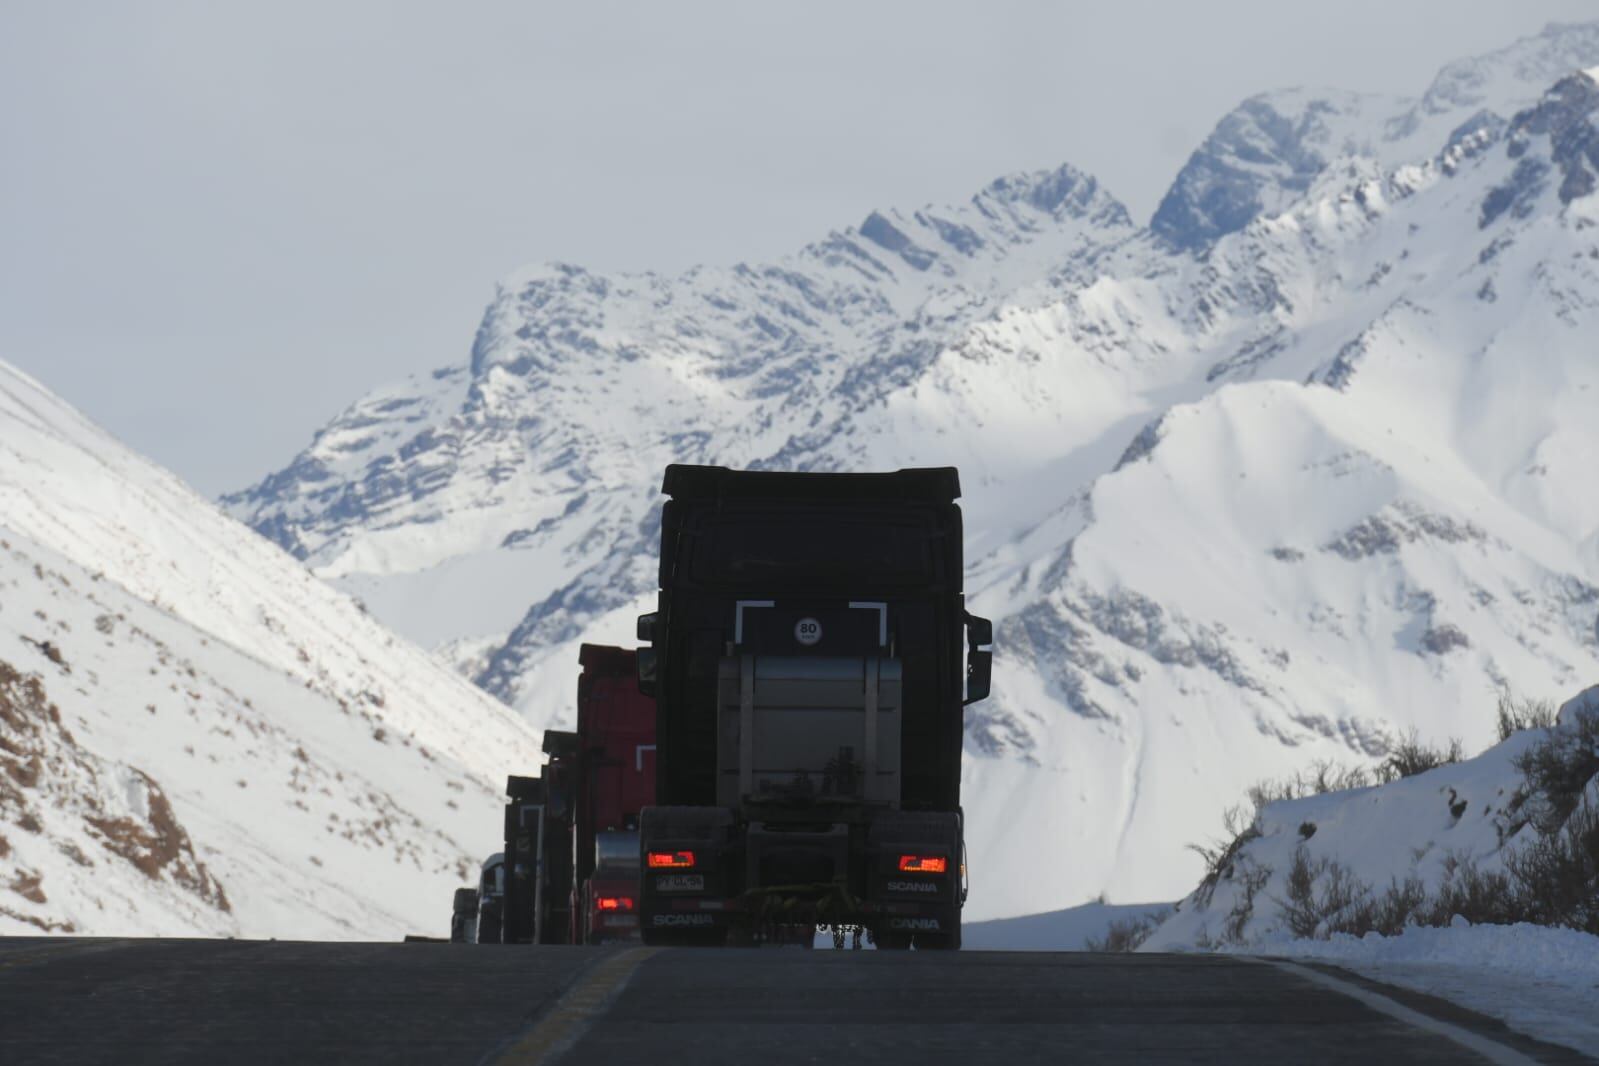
(489, 925)
(685, 938)
(950, 941)
(463, 917)
(891, 941)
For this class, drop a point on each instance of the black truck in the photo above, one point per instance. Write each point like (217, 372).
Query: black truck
(810, 656)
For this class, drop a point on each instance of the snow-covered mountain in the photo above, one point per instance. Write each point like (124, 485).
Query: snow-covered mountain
(1265, 154)
(1296, 469)
(197, 736)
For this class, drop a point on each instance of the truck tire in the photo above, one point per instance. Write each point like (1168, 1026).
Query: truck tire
(891, 941)
(489, 924)
(685, 938)
(950, 941)
(463, 917)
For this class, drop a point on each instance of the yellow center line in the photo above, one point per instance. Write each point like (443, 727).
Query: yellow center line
(560, 1028)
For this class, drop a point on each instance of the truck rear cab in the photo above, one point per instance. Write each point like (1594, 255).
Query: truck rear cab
(569, 871)
(538, 856)
(615, 780)
(807, 660)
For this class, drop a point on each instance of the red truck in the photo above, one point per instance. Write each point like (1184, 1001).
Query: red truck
(614, 781)
(569, 873)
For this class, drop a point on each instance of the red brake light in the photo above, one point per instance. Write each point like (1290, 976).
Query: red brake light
(670, 859)
(923, 864)
(614, 903)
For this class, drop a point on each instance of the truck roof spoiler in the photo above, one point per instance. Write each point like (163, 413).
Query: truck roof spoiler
(935, 484)
(560, 742)
(606, 659)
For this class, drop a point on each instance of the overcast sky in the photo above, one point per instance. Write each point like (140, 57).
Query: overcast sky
(222, 222)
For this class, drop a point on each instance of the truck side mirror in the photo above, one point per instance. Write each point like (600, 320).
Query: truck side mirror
(979, 663)
(646, 627)
(979, 674)
(646, 670)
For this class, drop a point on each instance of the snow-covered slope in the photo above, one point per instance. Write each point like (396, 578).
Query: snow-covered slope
(197, 735)
(1376, 878)
(1427, 829)
(1282, 495)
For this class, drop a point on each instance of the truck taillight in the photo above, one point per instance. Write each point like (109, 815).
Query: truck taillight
(614, 903)
(923, 864)
(670, 860)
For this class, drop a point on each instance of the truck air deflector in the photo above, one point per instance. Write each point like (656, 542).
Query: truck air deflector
(940, 484)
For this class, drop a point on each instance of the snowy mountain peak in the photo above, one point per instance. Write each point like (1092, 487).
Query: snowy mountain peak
(1059, 192)
(864, 307)
(1503, 79)
(1260, 157)
(1562, 127)
(1263, 156)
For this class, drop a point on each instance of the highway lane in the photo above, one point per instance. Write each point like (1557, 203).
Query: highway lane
(245, 1002)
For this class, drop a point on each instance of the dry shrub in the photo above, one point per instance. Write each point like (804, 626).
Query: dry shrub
(1219, 856)
(1516, 716)
(1413, 756)
(1251, 879)
(1126, 934)
(1557, 876)
(1396, 908)
(1323, 896)
(1480, 898)
(1559, 768)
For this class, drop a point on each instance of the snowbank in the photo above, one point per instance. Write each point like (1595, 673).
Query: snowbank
(1064, 930)
(1540, 981)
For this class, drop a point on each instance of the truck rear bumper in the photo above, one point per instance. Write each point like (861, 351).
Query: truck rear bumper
(802, 910)
(892, 871)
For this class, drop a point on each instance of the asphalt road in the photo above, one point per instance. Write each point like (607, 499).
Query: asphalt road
(246, 1002)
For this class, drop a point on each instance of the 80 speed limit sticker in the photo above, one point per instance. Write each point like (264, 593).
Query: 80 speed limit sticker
(807, 631)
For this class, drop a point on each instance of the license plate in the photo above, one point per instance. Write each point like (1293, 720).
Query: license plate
(680, 883)
(613, 921)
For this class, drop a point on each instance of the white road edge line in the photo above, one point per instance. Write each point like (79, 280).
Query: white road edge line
(1491, 1050)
